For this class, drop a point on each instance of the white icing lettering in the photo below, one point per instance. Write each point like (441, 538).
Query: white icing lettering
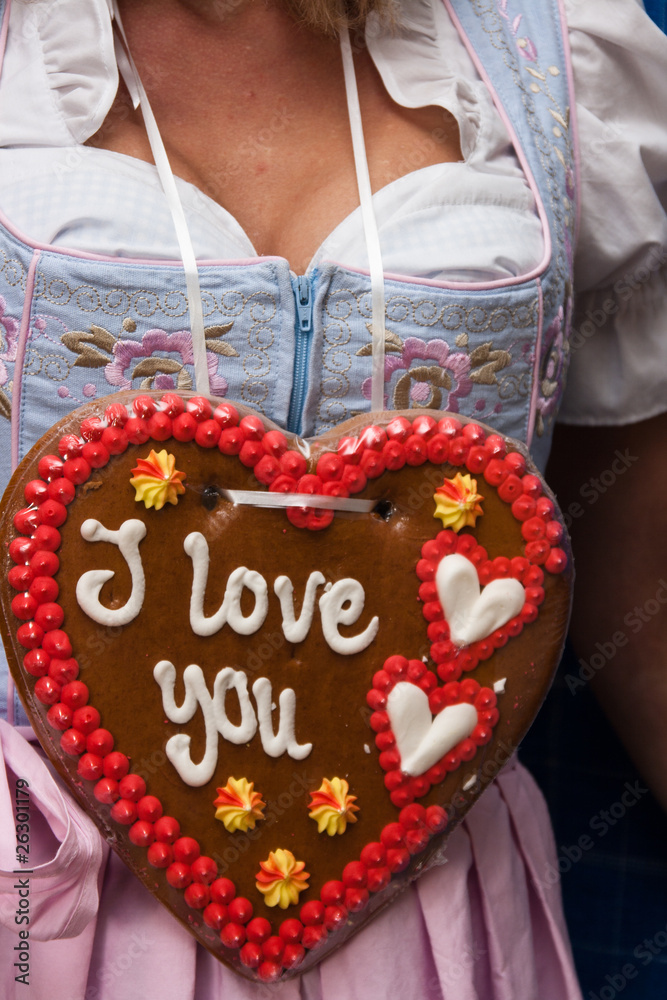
(296, 630)
(178, 746)
(334, 613)
(90, 584)
(471, 613)
(284, 739)
(229, 612)
(216, 721)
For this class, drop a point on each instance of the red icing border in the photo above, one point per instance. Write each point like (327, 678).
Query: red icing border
(49, 657)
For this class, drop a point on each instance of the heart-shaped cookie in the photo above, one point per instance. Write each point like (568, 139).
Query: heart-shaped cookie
(276, 706)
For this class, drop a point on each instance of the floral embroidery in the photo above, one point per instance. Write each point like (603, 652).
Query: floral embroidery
(436, 386)
(9, 333)
(159, 359)
(553, 366)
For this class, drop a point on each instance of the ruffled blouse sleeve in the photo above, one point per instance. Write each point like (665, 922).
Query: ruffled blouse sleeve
(618, 366)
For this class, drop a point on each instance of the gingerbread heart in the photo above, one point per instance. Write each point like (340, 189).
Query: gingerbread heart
(210, 624)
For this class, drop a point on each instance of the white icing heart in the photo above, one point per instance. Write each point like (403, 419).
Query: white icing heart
(422, 739)
(471, 613)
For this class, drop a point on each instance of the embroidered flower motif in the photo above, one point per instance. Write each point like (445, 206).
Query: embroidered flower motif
(159, 358)
(157, 481)
(160, 372)
(281, 879)
(332, 807)
(438, 385)
(457, 502)
(9, 334)
(553, 366)
(239, 806)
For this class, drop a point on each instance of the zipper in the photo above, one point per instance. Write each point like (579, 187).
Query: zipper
(303, 328)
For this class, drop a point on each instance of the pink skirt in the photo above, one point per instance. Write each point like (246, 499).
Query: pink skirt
(487, 924)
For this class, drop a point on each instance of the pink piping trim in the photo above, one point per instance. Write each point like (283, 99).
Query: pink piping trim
(20, 356)
(473, 286)
(574, 118)
(546, 232)
(3, 33)
(536, 366)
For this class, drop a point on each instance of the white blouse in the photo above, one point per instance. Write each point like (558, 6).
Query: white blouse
(57, 86)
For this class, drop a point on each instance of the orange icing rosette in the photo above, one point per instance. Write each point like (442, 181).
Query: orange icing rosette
(239, 806)
(157, 481)
(457, 502)
(332, 807)
(281, 879)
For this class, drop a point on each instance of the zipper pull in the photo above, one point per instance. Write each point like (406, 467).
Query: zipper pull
(303, 303)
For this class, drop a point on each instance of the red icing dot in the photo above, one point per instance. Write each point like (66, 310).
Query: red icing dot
(172, 404)
(268, 971)
(215, 916)
(233, 935)
(30, 635)
(114, 440)
(333, 893)
(116, 415)
(354, 875)
(124, 811)
(27, 520)
(199, 408)
(100, 741)
(75, 694)
(77, 471)
(21, 550)
(35, 491)
(335, 917)
(197, 896)
(141, 833)
(556, 561)
(203, 868)
(399, 429)
(293, 956)
(72, 742)
(59, 716)
(143, 406)
(85, 719)
(62, 490)
(393, 454)
(251, 452)
(47, 691)
(226, 415)
(312, 913)
(372, 464)
(90, 767)
(330, 467)
(223, 890)
(184, 427)
(133, 786)
(36, 662)
(398, 859)
(44, 563)
(49, 467)
(178, 874)
(91, 429)
(378, 879)
(47, 537)
(160, 426)
(291, 930)
(477, 459)
(354, 478)
(116, 765)
(24, 607)
(149, 808)
(355, 900)
(251, 955)
(186, 849)
(208, 434)
(167, 829)
(416, 451)
(106, 791)
(259, 930)
(267, 470)
(49, 616)
(137, 430)
(160, 855)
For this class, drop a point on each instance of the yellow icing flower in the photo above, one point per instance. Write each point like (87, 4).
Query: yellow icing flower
(281, 879)
(331, 806)
(239, 807)
(157, 481)
(456, 502)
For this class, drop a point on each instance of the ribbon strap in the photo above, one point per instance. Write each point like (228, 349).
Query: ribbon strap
(135, 87)
(369, 223)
